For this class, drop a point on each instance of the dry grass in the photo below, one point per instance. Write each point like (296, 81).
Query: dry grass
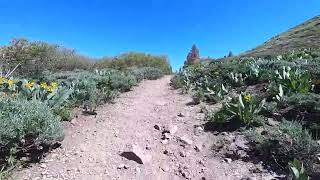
(305, 35)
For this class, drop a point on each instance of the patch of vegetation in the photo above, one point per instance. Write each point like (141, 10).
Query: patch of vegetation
(290, 141)
(42, 84)
(255, 91)
(135, 60)
(243, 110)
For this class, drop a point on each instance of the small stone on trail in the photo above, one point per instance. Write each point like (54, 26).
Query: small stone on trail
(228, 160)
(138, 169)
(181, 114)
(183, 154)
(165, 152)
(157, 127)
(167, 136)
(173, 129)
(272, 122)
(136, 154)
(224, 133)
(198, 130)
(240, 141)
(165, 167)
(165, 141)
(73, 121)
(186, 140)
(197, 148)
(43, 166)
(123, 166)
(148, 147)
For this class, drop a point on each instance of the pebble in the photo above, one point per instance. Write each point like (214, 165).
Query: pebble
(165, 167)
(138, 169)
(165, 141)
(157, 127)
(186, 140)
(228, 160)
(183, 154)
(123, 166)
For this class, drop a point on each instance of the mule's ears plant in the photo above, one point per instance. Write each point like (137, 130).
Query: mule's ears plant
(244, 109)
(293, 81)
(237, 79)
(279, 96)
(297, 170)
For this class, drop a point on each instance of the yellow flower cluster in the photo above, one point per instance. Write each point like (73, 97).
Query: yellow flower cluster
(50, 88)
(29, 85)
(2, 80)
(44, 85)
(248, 98)
(10, 82)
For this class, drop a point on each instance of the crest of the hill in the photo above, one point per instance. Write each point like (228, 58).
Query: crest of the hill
(305, 35)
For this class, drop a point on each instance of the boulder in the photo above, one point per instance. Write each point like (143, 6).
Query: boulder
(135, 153)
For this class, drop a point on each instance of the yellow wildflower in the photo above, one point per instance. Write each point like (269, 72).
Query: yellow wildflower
(10, 82)
(248, 98)
(54, 85)
(50, 89)
(29, 85)
(44, 85)
(2, 80)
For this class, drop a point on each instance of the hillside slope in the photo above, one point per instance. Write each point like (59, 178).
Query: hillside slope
(305, 35)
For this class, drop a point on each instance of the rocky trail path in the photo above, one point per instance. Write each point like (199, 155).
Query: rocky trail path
(148, 133)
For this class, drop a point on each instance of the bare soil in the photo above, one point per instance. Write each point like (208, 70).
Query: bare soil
(93, 144)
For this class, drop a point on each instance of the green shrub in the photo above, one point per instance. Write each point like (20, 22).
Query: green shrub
(287, 143)
(21, 118)
(34, 57)
(135, 60)
(121, 82)
(304, 107)
(177, 81)
(152, 73)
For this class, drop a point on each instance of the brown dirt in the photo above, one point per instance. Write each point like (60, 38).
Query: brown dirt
(92, 146)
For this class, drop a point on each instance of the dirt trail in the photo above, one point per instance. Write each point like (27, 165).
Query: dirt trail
(92, 146)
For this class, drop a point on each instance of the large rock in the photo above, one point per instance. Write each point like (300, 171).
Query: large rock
(135, 153)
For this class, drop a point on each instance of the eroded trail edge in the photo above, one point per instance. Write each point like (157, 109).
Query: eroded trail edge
(154, 118)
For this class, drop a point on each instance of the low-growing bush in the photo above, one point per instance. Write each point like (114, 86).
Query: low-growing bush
(130, 60)
(303, 107)
(291, 141)
(26, 126)
(152, 73)
(149, 73)
(21, 117)
(177, 81)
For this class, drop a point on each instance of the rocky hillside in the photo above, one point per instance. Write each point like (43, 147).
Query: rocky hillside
(305, 35)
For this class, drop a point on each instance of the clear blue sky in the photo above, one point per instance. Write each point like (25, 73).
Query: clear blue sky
(106, 28)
